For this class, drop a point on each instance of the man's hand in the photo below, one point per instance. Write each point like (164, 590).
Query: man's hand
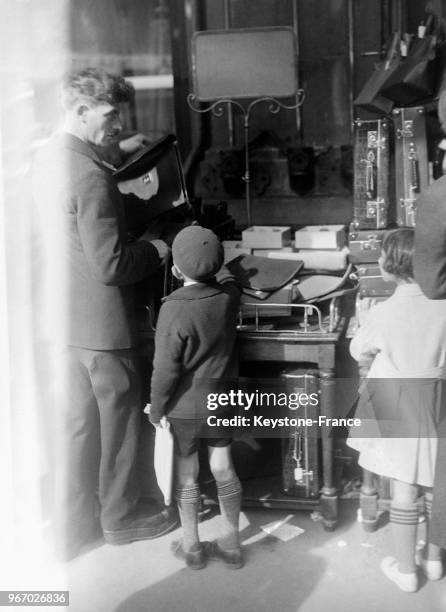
(133, 143)
(162, 248)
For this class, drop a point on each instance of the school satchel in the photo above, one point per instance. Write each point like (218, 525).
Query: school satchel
(415, 78)
(370, 97)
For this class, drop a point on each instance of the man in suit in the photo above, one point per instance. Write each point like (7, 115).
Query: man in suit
(87, 271)
(430, 274)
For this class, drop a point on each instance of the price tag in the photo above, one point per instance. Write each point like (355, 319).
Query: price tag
(298, 474)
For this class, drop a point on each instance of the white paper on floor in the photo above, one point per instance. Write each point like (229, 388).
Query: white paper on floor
(282, 529)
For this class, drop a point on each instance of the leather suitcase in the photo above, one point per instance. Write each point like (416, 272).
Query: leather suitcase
(364, 245)
(371, 195)
(411, 161)
(300, 452)
(372, 284)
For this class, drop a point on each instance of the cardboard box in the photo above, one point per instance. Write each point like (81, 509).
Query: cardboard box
(316, 259)
(266, 237)
(320, 237)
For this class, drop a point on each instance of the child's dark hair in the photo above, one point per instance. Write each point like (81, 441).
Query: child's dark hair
(398, 247)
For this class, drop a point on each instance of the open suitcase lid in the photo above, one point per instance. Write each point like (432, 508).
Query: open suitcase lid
(154, 176)
(260, 274)
(145, 159)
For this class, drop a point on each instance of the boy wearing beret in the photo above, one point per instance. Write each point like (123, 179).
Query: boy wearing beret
(195, 342)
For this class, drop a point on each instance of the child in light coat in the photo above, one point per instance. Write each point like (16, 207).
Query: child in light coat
(405, 336)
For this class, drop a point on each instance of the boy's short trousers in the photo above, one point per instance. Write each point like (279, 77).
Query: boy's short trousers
(188, 434)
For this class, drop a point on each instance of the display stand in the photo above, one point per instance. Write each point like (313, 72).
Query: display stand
(217, 109)
(254, 64)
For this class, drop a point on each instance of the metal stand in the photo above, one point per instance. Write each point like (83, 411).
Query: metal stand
(217, 109)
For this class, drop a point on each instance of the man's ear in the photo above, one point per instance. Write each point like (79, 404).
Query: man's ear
(177, 273)
(81, 111)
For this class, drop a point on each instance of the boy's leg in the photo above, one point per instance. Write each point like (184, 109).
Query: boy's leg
(188, 499)
(229, 492)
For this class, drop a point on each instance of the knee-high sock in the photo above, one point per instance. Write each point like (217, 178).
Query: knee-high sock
(188, 500)
(404, 522)
(433, 552)
(229, 499)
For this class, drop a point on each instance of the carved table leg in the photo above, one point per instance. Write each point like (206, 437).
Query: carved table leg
(329, 497)
(368, 501)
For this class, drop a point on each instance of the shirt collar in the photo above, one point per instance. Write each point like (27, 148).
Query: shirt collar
(408, 289)
(197, 291)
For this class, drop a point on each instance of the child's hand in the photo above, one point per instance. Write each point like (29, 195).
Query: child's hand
(163, 424)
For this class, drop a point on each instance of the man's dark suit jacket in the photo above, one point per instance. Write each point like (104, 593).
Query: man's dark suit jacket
(430, 241)
(81, 211)
(430, 273)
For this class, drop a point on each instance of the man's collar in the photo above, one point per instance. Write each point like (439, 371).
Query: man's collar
(74, 143)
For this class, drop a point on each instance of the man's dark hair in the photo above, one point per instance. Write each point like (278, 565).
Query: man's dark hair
(96, 86)
(398, 247)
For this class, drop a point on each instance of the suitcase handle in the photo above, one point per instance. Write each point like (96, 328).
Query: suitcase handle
(414, 171)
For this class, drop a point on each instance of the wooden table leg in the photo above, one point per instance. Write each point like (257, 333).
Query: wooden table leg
(368, 501)
(329, 497)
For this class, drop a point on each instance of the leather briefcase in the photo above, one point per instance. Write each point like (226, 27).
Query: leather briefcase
(372, 284)
(364, 245)
(411, 162)
(371, 195)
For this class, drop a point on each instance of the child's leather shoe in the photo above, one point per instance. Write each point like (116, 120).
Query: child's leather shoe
(231, 558)
(195, 559)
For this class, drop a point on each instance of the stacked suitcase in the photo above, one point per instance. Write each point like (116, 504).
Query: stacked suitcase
(411, 161)
(385, 193)
(372, 207)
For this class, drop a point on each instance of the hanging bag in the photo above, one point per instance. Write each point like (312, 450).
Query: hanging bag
(370, 96)
(415, 77)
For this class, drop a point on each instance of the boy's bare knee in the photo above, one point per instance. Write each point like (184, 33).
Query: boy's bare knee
(187, 470)
(223, 474)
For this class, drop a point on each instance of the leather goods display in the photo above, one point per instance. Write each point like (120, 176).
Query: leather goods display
(300, 453)
(312, 287)
(364, 245)
(370, 97)
(411, 161)
(371, 198)
(153, 177)
(284, 296)
(415, 77)
(260, 274)
(372, 284)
